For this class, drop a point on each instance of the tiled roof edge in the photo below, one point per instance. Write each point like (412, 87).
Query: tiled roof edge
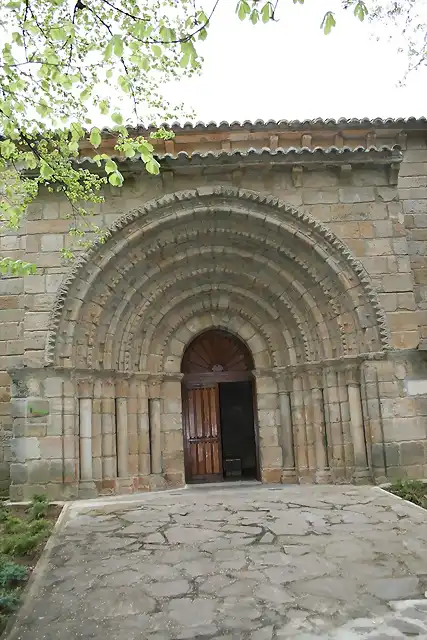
(329, 151)
(316, 123)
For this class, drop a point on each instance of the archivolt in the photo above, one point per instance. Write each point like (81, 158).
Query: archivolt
(317, 297)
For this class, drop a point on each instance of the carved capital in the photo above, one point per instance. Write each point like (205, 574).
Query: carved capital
(85, 387)
(122, 388)
(352, 375)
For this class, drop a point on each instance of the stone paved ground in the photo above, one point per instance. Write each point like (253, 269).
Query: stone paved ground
(236, 563)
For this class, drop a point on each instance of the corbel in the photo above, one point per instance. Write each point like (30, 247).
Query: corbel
(346, 173)
(297, 175)
(393, 173)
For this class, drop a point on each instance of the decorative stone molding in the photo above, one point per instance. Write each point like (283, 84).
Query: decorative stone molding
(210, 195)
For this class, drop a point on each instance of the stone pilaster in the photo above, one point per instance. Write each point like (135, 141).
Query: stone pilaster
(172, 432)
(268, 428)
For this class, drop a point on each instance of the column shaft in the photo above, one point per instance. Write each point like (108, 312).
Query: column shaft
(155, 433)
(85, 407)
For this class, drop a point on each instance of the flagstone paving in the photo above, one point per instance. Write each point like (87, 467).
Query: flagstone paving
(236, 562)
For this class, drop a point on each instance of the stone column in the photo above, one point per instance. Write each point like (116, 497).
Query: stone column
(108, 429)
(318, 416)
(286, 436)
(143, 434)
(345, 424)
(87, 486)
(298, 419)
(122, 390)
(333, 423)
(356, 424)
(155, 435)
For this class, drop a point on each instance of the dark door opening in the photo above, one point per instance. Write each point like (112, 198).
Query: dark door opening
(239, 455)
(220, 440)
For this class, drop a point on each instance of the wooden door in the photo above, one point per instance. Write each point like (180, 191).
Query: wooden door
(202, 434)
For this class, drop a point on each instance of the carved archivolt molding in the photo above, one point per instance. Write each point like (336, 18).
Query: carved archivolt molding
(118, 291)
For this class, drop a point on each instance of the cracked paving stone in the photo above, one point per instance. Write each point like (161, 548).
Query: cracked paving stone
(168, 589)
(238, 564)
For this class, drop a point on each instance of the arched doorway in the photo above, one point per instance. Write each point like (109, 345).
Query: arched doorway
(220, 440)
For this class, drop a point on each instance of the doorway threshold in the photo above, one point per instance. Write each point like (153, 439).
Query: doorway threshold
(228, 484)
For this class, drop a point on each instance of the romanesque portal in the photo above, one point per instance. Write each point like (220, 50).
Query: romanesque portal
(284, 292)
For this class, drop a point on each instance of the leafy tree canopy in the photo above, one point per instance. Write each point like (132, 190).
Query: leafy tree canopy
(67, 65)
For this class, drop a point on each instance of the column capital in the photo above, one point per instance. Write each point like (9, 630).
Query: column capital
(85, 387)
(284, 381)
(352, 375)
(122, 388)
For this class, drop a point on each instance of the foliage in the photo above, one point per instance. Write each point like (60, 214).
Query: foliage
(413, 490)
(406, 24)
(11, 574)
(22, 534)
(67, 67)
(39, 507)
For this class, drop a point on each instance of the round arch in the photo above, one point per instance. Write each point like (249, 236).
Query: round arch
(319, 290)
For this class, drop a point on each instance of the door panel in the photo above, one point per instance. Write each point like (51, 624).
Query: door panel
(202, 441)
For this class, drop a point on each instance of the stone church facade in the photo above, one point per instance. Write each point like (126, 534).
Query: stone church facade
(285, 258)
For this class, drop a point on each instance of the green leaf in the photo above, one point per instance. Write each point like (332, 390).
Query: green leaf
(110, 166)
(118, 46)
(185, 60)
(328, 23)
(157, 51)
(243, 9)
(73, 146)
(267, 12)
(46, 170)
(153, 167)
(203, 34)
(117, 118)
(254, 16)
(95, 137)
(115, 179)
(360, 10)
(104, 107)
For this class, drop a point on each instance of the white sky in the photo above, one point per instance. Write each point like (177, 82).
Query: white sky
(291, 70)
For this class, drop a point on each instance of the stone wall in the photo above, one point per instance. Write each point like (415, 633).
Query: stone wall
(382, 223)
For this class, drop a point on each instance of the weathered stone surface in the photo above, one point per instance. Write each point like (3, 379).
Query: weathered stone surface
(300, 298)
(101, 582)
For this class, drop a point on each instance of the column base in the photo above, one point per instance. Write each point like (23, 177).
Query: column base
(323, 476)
(362, 476)
(87, 489)
(288, 476)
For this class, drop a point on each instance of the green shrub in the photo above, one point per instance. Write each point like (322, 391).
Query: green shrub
(38, 526)
(4, 511)
(413, 490)
(39, 507)
(11, 574)
(21, 544)
(9, 601)
(14, 525)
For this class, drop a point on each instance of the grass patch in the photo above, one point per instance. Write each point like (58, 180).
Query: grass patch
(412, 490)
(23, 534)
